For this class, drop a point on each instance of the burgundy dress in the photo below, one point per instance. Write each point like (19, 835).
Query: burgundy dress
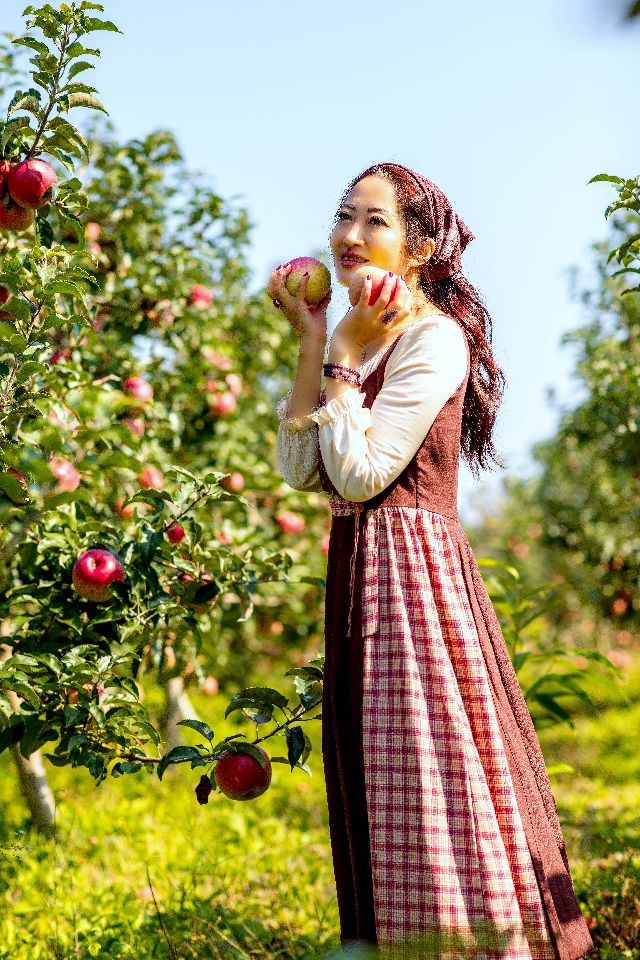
(442, 820)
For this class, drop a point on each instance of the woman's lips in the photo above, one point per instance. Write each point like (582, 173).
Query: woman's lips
(352, 263)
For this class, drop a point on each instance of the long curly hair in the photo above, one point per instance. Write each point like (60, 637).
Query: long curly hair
(458, 297)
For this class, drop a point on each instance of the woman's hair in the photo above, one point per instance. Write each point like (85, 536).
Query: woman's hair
(456, 296)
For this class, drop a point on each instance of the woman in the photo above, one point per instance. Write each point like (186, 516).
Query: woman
(442, 820)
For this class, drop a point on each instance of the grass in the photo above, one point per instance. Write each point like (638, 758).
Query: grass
(138, 869)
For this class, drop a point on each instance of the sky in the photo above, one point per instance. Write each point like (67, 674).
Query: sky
(510, 107)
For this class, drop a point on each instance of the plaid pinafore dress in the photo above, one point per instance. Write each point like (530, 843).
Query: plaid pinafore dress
(442, 821)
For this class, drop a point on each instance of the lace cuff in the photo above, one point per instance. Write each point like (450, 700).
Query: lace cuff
(295, 424)
(350, 405)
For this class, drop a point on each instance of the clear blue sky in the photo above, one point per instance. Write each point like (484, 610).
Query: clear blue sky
(510, 107)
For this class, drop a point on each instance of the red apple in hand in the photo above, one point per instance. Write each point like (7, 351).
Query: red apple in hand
(139, 388)
(175, 533)
(378, 277)
(240, 777)
(30, 183)
(318, 284)
(290, 522)
(14, 217)
(200, 295)
(93, 573)
(151, 477)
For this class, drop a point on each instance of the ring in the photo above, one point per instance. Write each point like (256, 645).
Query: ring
(277, 304)
(389, 316)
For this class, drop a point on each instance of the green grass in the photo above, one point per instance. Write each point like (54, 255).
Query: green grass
(255, 879)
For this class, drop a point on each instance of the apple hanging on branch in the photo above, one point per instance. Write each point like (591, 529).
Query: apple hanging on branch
(93, 573)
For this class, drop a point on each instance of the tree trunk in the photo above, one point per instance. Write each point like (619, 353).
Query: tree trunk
(177, 707)
(32, 775)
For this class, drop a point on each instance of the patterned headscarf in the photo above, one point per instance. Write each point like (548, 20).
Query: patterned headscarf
(452, 234)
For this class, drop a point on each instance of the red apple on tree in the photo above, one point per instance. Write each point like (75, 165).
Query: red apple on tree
(127, 511)
(151, 477)
(234, 482)
(15, 496)
(5, 170)
(200, 295)
(136, 425)
(14, 217)
(139, 388)
(93, 573)
(234, 383)
(240, 776)
(30, 183)
(290, 522)
(92, 231)
(224, 363)
(66, 474)
(4, 296)
(318, 284)
(175, 533)
(222, 403)
(210, 686)
(62, 354)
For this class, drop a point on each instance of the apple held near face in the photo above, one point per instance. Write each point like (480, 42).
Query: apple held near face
(378, 277)
(14, 217)
(93, 573)
(240, 776)
(30, 183)
(318, 284)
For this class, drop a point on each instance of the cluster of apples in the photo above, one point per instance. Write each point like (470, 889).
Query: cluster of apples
(221, 400)
(24, 188)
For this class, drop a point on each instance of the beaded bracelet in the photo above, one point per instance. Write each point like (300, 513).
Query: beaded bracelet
(340, 372)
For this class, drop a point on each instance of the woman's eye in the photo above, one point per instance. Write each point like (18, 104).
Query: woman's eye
(341, 216)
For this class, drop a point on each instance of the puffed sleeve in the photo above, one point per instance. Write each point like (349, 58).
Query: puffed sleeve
(364, 450)
(297, 449)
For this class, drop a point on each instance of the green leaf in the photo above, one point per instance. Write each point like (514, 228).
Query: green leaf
(86, 100)
(79, 67)
(44, 232)
(198, 725)
(78, 50)
(93, 24)
(607, 177)
(26, 100)
(178, 753)
(66, 286)
(31, 42)
(29, 369)
(25, 691)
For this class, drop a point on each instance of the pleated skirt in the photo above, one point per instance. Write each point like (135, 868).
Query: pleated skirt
(444, 832)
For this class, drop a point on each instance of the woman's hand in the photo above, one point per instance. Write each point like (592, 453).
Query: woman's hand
(365, 323)
(307, 321)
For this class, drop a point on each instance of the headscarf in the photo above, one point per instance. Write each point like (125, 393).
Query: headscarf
(452, 234)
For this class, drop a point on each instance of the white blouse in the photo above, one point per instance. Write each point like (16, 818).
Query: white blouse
(363, 449)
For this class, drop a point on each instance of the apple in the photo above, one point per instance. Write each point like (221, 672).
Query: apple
(223, 538)
(92, 231)
(58, 355)
(198, 607)
(211, 385)
(66, 474)
(64, 418)
(377, 279)
(222, 403)
(127, 511)
(135, 424)
(276, 628)
(93, 573)
(210, 686)
(318, 284)
(14, 217)
(151, 477)
(240, 777)
(234, 482)
(139, 388)
(5, 170)
(175, 533)
(290, 522)
(200, 295)
(30, 183)
(23, 483)
(234, 382)
(4, 296)
(161, 315)
(224, 363)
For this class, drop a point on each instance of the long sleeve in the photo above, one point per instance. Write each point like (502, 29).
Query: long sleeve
(297, 449)
(364, 450)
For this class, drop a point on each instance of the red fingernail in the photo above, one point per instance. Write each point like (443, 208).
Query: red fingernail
(306, 273)
(368, 277)
(390, 273)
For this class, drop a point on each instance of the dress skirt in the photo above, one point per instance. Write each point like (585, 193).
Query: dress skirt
(444, 832)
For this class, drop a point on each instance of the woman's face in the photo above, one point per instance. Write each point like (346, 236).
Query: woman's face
(369, 224)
